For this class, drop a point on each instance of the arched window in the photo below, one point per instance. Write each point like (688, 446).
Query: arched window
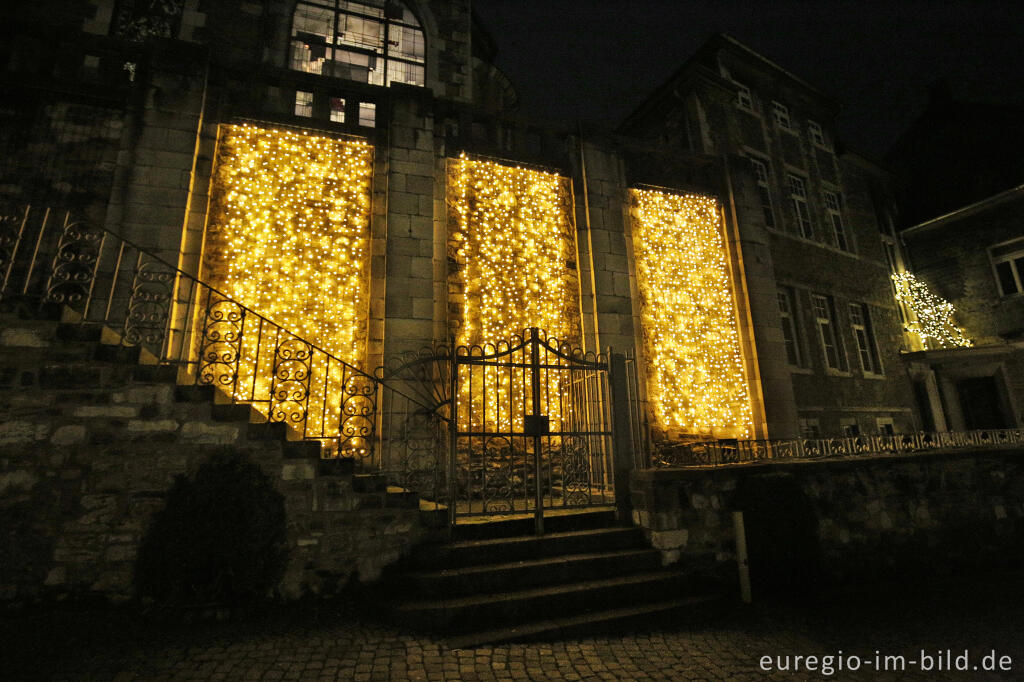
(371, 41)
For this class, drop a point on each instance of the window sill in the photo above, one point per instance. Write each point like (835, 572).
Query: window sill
(837, 373)
(872, 375)
(793, 369)
(815, 242)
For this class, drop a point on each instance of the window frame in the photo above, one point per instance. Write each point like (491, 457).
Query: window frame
(864, 337)
(834, 209)
(828, 331)
(380, 56)
(764, 188)
(787, 295)
(798, 201)
(1015, 262)
(817, 135)
(742, 90)
(781, 117)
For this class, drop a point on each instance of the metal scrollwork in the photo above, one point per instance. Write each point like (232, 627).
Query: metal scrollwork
(496, 474)
(74, 264)
(220, 344)
(149, 304)
(358, 412)
(576, 471)
(289, 391)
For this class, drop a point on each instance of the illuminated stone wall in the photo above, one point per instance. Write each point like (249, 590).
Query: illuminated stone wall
(288, 234)
(512, 243)
(695, 376)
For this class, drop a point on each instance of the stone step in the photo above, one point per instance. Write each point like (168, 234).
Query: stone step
(696, 609)
(524, 548)
(519, 575)
(556, 521)
(481, 611)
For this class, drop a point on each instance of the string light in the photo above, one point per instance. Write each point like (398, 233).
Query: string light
(515, 243)
(695, 371)
(289, 238)
(933, 322)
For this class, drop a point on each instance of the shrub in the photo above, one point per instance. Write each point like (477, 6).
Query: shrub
(221, 538)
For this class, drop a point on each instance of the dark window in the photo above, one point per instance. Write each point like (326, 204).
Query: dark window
(798, 198)
(763, 176)
(789, 334)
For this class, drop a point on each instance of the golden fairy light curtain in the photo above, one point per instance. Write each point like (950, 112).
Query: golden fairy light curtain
(695, 372)
(288, 236)
(513, 240)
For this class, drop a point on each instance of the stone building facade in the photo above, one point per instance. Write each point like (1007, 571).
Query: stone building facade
(126, 126)
(811, 219)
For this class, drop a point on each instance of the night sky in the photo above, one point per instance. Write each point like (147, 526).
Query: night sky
(596, 60)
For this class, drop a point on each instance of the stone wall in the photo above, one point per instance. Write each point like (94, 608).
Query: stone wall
(841, 521)
(91, 444)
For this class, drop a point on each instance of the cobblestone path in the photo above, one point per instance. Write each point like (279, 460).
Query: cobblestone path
(334, 644)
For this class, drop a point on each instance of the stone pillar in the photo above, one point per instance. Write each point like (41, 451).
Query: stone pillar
(606, 273)
(411, 252)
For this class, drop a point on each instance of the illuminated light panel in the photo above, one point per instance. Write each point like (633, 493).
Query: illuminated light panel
(933, 322)
(515, 242)
(289, 237)
(695, 372)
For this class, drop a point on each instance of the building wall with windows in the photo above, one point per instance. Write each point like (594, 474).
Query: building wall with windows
(974, 258)
(827, 328)
(819, 331)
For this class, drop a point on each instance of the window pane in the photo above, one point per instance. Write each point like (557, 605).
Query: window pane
(367, 114)
(303, 103)
(359, 32)
(405, 73)
(314, 23)
(406, 43)
(373, 9)
(337, 110)
(1006, 280)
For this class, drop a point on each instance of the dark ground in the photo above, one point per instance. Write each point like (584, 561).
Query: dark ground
(340, 641)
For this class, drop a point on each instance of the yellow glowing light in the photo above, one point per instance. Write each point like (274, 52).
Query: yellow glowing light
(695, 372)
(933, 314)
(514, 240)
(288, 237)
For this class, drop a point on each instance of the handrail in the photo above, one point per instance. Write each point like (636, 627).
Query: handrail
(145, 301)
(731, 451)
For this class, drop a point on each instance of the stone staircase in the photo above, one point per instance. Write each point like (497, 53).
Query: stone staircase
(92, 435)
(497, 582)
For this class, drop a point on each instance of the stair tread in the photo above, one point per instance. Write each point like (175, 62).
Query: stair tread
(528, 539)
(531, 563)
(539, 592)
(557, 624)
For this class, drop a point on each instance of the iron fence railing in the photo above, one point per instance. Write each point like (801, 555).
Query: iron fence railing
(729, 451)
(52, 263)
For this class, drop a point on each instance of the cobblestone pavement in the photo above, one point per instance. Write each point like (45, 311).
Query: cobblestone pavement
(333, 644)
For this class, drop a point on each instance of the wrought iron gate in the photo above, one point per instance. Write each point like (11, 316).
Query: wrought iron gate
(532, 428)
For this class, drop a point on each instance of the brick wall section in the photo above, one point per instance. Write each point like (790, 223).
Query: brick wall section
(606, 271)
(411, 251)
(862, 517)
(449, 61)
(150, 202)
(953, 259)
(90, 448)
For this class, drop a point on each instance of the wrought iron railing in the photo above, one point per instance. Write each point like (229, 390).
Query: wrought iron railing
(728, 451)
(51, 263)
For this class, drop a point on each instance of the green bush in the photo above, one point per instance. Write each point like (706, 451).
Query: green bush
(220, 539)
